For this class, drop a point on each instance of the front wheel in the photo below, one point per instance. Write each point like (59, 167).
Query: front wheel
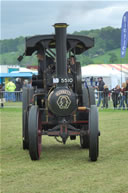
(34, 133)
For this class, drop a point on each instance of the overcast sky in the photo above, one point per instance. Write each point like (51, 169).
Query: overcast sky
(26, 18)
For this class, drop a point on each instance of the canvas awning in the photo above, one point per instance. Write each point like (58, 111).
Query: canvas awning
(15, 75)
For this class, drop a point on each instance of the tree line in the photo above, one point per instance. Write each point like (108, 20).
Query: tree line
(106, 39)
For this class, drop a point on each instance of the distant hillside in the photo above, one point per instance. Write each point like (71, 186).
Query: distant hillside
(10, 58)
(106, 49)
(110, 57)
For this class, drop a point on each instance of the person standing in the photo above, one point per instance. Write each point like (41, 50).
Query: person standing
(123, 96)
(105, 96)
(91, 81)
(18, 89)
(10, 88)
(115, 96)
(100, 88)
(26, 84)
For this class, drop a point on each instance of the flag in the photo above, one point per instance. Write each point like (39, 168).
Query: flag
(124, 34)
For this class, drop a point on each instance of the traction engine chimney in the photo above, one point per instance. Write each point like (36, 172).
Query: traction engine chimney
(61, 50)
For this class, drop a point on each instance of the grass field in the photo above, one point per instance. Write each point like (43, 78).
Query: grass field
(65, 168)
(105, 59)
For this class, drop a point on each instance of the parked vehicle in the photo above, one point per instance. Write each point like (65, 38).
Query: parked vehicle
(58, 104)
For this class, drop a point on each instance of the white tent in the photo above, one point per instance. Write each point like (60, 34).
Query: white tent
(111, 77)
(95, 71)
(116, 78)
(21, 69)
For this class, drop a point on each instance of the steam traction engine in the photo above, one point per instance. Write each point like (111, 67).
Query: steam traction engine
(58, 104)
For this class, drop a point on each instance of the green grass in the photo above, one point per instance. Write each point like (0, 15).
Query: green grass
(13, 104)
(104, 59)
(65, 168)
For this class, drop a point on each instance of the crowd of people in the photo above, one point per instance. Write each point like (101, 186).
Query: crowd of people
(12, 90)
(118, 94)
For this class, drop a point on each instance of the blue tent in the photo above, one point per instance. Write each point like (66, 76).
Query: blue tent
(15, 75)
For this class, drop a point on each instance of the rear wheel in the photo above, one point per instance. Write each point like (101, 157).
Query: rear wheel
(93, 133)
(34, 132)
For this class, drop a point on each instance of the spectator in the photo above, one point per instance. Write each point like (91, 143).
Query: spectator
(123, 96)
(96, 82)
(127, 93)
(115, 96)
(86, 84)
(18, 84)
(18, 89)
(10, 88)
(26, 83)
(91, 81)
(29, 84)
(105, 96)
(100, 88)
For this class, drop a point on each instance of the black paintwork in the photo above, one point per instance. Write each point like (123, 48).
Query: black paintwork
(76, 43)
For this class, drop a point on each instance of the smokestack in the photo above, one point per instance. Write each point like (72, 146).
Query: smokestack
(61, 49)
